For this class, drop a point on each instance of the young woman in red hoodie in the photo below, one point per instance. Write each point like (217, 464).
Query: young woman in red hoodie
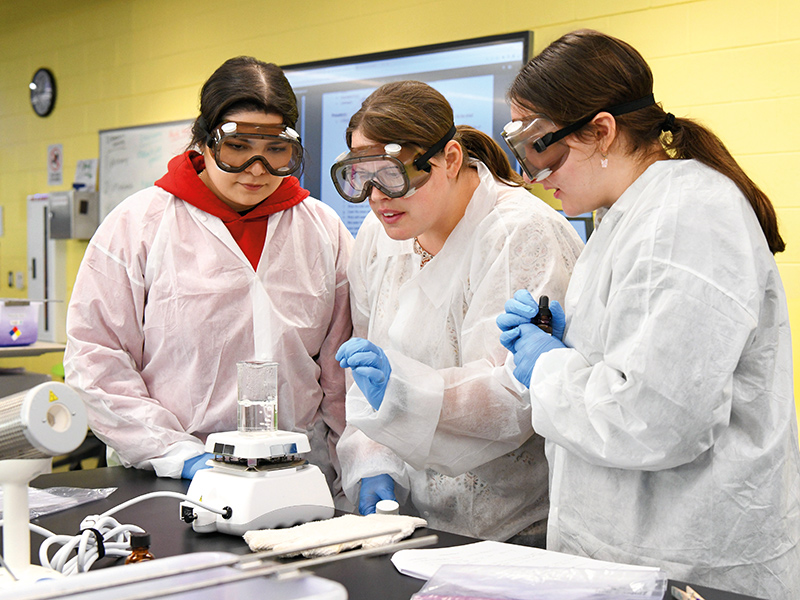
(225, 259)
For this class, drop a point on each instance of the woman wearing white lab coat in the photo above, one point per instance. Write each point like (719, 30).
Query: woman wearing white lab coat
(668, 408)
(429, 274)
(222, 261)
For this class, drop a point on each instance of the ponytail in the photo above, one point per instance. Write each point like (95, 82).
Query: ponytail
(686, 138)
(480, 146)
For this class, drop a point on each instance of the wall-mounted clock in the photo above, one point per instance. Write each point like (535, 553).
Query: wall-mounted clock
(43, 92)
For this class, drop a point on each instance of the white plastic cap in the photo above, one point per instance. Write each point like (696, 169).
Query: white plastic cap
(387, 507)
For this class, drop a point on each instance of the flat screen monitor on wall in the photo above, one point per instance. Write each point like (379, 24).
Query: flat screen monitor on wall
(473, 75)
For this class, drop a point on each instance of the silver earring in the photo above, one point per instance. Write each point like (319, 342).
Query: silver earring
(604, 161)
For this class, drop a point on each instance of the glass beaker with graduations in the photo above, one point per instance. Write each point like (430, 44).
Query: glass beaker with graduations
(258, 396)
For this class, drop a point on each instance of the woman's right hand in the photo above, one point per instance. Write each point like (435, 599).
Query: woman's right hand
(519, 310)
(370, 367)
(195, 464)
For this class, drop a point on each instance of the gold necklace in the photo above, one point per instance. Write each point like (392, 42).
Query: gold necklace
(426, 256)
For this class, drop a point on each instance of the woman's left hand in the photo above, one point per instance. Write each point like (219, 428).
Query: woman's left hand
(559, 320)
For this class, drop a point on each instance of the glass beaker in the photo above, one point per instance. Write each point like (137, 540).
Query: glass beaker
(258, 395)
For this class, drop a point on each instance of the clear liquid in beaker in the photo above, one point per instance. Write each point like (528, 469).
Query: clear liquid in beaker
(258, 416)
(258, 396)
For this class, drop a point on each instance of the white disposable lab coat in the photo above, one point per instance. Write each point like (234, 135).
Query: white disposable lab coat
(670, 422)
(454, 426)
(166, 303)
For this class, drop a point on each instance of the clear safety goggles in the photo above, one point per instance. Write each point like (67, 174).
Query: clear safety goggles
(537, 143)
(391, 168)
(538, 156)
(238, 145)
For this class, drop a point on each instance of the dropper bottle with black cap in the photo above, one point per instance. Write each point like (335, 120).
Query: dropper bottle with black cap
(544, 318)
(140, 548)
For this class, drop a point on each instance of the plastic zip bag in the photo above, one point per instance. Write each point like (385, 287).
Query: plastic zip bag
(43, 502)
(472, 582)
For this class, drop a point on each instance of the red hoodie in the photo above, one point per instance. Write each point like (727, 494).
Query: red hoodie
(249, 230)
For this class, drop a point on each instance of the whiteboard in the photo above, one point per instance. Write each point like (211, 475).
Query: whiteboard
(133, 158)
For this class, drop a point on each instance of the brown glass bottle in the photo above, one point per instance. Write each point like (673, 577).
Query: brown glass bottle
(140, 548)
(544, 318)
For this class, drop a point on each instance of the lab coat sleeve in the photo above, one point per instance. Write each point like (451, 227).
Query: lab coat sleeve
(332, 376)
(103, 358)
(661, 393)
(457, 418)
(359, 455)
(362, 457)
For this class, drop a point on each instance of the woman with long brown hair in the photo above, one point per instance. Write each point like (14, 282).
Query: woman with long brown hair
(667, 404)
(433, 411)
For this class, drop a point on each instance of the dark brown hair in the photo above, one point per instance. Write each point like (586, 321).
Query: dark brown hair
(412, 113)
(586, 71)
(243, 83)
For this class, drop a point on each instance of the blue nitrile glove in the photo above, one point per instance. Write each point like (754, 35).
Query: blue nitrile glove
(532, 343)
(195, 464)
(519, 309)
(559, 319)
(373, 490)
(371, 368)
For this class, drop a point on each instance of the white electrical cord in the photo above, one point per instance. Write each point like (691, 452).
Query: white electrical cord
(115, 536)
(115, 543)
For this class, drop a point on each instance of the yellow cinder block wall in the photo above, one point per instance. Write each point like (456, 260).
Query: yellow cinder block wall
(730, 63)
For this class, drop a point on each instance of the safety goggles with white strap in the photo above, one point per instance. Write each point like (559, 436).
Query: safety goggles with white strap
(236, 146)
(395, 170)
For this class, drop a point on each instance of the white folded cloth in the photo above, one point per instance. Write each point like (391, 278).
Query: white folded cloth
(326, 535)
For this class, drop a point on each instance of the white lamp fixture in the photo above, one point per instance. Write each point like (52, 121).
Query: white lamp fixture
(45, 421)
